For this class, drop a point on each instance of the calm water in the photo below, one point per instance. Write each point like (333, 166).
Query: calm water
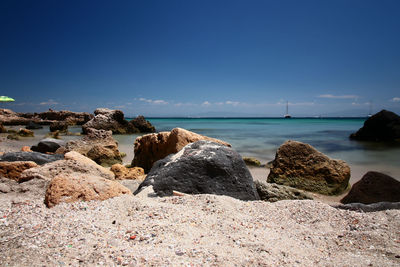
(260, 137)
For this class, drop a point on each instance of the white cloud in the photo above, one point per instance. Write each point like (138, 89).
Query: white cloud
(206, 103)
(151, 101)
(395, 99)
(338, 96)
(49, 102)
(233, 103)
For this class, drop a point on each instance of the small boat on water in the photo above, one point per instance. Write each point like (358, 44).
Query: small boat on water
(287, 115)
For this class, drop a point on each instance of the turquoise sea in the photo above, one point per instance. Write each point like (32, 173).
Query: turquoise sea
(260, 138)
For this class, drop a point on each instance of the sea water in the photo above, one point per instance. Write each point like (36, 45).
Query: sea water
(261, 137)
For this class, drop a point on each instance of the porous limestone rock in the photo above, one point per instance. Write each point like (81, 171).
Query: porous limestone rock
(12, 170)
(152, 147)
(203, 167)
(61, 126)
(272, 192)
(121, 172)
(374, 187)
(252, 161)
(301, 166)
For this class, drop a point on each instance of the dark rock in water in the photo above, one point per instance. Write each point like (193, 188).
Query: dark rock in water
(274, 192)
(59, 126)
(143, 125)
(33, 126)
(38, 158)
(370, 207)
(374, 187)
(48, 145)
(301, 166)
(383, 126)
(202, 167)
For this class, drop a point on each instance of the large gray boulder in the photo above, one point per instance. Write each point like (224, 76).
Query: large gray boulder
(203, 167)
(38, 158)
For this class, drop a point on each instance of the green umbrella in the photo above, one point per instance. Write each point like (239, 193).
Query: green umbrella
(6, 99)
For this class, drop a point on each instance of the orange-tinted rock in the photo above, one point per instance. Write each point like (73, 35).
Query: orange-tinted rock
(25, 132)
(81, 187)
(13, 170)
(121, 172)
(301, 166)
(26, 149)
(152, 147)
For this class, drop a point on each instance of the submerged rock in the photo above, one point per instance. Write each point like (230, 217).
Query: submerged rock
(274, 192)
(38, 158)
(301, 166)
(33, 126)
(374, 187)
(152, 147)
(202, 167)
(383, 126)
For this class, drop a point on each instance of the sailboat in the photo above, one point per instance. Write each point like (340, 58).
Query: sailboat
(287, 116)
(370, 109)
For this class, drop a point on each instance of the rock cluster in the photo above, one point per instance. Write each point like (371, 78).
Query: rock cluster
(203, 167)
(152, 147)
(383, 126)
(113, 120)
(374, 187)
(301, 166)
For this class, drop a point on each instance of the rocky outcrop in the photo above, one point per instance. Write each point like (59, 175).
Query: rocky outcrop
(383, 126)
(203, 167)
(59, 126)
(2, 128)
(48, 145)
(38, 158)
(72, 164)
(301, 166)
(12, 170)
(374, 187)
(152, 147)
(71, 118)
(143, 125)
(121, 172)
(9, 117)
(274, 192)
(76, 187)
(98, 145)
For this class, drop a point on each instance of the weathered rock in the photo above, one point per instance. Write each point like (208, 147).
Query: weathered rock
(81, 187)
(274, 192)
(252, 161)
(12, 170)
(2, 129)
(203, 167)
(98, 145)
(48, 145)
(71, 118)
(374, 187)
(301, 166)
(370, 207)
(25, 133)
(9, 117)
(26, 149)
(132, 185)
(143, 125)
(121, 172)
(383, 126)
(59, 126)
(152, 147)
(38, 158)
(73, 163)
(33, 126)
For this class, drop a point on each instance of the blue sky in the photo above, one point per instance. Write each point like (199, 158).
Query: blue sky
(189, 58)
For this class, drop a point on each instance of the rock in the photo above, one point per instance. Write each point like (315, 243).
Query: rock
(98, 145)
(2, 129)
(274, 192)
(12, 170)
(73, 163)
(33, 126)
(48, 145)
(301, 166)
(13, 137)
(152, 147)
(38, 158)
(59, 126)
(251, 161)
(81, 187)
(5, 188)
(383, 126)
(121, 172)
(9, 117)
(143, 125)
(374, 187)
(26, 149)
(132, 185)
(370, 207)
(25, 133)
(69, 117)
(203, 167)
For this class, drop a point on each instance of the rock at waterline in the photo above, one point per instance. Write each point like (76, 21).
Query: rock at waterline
(203, 167)
(301, 166)
(48, 145)
(152, 147)
(33, 126)
(38, 158)
(383, 126)
(58, 126)
(374, 187)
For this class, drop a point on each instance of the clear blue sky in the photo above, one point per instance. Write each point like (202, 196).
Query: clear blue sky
(181, 58)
